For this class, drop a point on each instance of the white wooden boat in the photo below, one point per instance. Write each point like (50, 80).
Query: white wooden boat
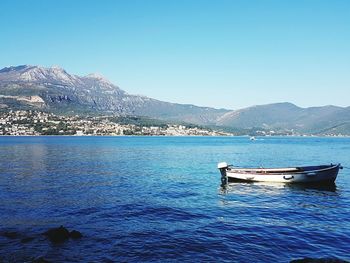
(305, 174)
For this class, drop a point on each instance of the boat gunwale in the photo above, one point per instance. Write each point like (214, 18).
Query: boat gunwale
(282, 173)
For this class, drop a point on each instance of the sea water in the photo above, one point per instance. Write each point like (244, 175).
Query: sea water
(158, 199)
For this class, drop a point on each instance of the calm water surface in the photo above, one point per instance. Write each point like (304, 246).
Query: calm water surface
(139, 199)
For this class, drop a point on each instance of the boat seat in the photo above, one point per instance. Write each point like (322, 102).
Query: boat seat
(270, 170)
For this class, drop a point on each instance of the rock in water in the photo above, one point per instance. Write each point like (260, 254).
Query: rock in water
(75, 234)
(9, 234)
(57, 235)
(40, 260)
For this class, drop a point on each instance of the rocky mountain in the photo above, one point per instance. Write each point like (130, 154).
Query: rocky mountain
(316, 120)
(55, 90)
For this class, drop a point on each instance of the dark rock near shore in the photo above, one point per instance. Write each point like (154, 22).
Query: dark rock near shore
(319, 260)
(75, 234)
(40, 260)
(58, 234)
(10, 234)
(61, 234)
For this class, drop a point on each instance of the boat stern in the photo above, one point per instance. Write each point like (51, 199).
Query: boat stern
(223, 170)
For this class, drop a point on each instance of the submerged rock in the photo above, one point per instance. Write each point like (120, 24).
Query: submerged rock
(319, 260)
(10, 234)
(61, 234)
(58, 234)
(75, 234)
(40, 260)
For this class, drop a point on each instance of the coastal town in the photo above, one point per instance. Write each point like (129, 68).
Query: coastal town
(32, 123)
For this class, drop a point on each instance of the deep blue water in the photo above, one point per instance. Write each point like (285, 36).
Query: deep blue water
(158, 199)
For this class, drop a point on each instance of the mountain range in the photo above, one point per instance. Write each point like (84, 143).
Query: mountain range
(55, 90)
(60, 92)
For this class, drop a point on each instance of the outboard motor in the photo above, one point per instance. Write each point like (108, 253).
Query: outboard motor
(222, 167)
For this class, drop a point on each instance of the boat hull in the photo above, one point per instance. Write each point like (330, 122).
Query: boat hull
(311, 174)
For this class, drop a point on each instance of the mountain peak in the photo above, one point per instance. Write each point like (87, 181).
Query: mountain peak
(15, 68)
(56, 67)
(95, 76)
(29, 73)
(98, 76)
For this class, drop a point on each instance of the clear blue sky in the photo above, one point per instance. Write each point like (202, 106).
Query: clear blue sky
(216, 53)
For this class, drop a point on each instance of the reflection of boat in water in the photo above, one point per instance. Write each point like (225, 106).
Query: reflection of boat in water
(271, 187)
(306, 174)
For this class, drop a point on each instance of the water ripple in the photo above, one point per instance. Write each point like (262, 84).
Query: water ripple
(156, 199)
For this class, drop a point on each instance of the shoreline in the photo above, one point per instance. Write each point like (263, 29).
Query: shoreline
(179, 136)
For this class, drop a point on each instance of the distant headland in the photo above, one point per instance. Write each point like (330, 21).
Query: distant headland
(53, 91)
